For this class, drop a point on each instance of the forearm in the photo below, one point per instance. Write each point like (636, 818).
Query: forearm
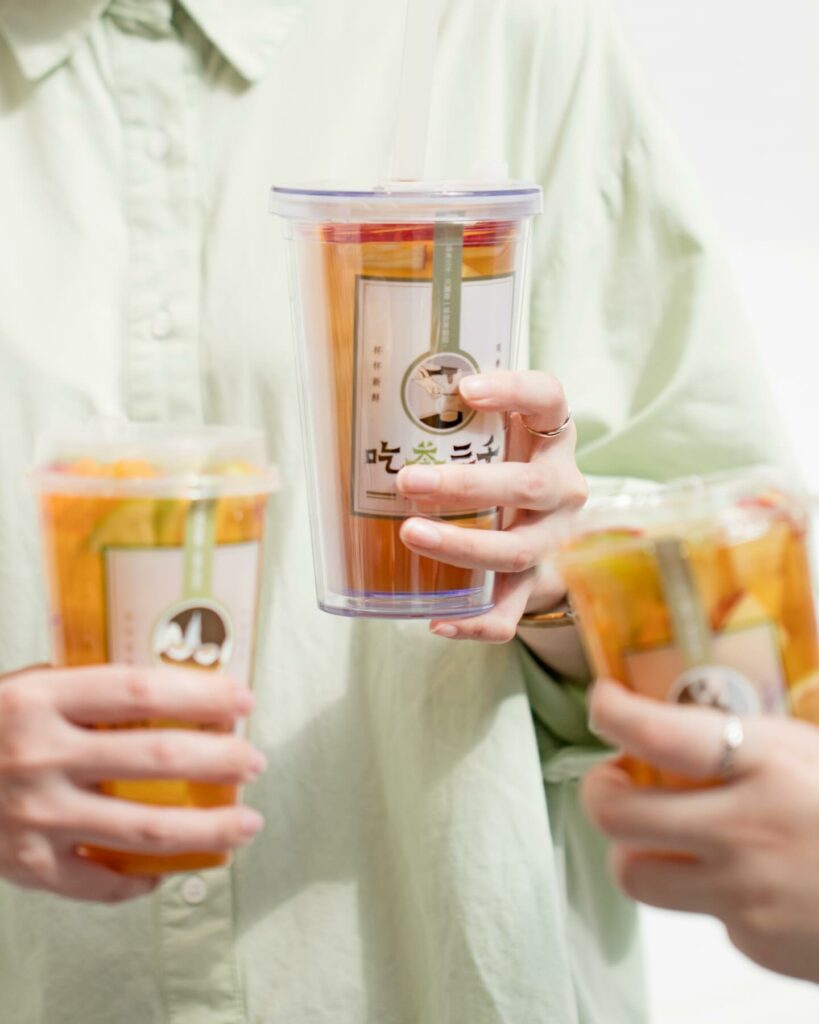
(558, 649)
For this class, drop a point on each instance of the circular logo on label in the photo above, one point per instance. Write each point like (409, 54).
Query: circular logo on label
(194, 634)
(429, 392)
(716, 686)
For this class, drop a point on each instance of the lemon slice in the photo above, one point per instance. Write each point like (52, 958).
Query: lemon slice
(130, 524)
(746, 612)
(170, 520)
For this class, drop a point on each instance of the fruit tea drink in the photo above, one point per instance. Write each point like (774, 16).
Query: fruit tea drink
(152, 542)
(398, 294)
(699, 593)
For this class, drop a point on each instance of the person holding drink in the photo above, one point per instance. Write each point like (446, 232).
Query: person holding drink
(424, 855)
(745, 852)
(697, 608)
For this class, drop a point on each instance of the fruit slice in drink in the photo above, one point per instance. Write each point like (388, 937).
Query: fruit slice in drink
(729, 624)
(150, 565)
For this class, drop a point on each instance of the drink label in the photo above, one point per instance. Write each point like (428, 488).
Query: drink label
(414, 343)
(738, 670)
(744, 674)
(191, 606)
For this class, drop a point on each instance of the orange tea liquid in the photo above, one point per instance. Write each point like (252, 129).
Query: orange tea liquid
(77, 532)
(373, 560)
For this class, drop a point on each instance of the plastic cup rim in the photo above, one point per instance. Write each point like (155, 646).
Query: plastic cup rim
(683, 506)
(415, 202)
(182, 486)
(410, 191)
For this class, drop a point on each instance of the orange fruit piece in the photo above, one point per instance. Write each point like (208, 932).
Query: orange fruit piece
(805, 699)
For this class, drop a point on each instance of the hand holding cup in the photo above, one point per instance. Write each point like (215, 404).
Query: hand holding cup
(52, 762)
(539, 478)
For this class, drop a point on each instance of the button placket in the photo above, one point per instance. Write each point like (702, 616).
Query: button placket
(200, 973)
(151, 70)
(196, 961)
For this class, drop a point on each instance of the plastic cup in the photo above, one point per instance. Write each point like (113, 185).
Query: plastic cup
(398, 293)
(699, 593)
(152, 542)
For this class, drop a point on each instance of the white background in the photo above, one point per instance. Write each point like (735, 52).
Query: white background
(739, 81)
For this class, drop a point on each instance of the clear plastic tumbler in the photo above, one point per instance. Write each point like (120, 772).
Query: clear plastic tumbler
(152, 542)
(700, 593)
(398, 293)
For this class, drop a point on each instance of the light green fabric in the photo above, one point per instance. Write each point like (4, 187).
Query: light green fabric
(412, 870)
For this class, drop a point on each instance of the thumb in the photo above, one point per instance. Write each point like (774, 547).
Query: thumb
(683, 740)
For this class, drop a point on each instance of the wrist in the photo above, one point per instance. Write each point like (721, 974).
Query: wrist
(551, 634)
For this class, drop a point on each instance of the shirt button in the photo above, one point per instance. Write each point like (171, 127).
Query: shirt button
(161, 323)
(159, 144)
(194, 890)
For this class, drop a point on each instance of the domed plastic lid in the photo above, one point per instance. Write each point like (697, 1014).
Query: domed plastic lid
(116, 458)
(397, 202)
(740, 504)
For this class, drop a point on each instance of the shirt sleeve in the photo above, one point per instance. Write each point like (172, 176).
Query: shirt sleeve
(632, 303)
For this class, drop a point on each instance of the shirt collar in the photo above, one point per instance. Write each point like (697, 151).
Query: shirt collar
(246, 32)
(44, 33)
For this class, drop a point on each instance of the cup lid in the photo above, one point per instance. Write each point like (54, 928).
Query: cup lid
(117, 458)
(407, 201)
(739, 503)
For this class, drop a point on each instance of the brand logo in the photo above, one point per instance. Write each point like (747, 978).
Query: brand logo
(430, 392)
(196, 633)
(716, 686)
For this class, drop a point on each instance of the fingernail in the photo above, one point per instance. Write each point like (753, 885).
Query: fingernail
(421, 531)
(598, 730)
(475, 387)
(250, 822)
(445, 629)
(242, 699)
(258, 762)
(420, 480)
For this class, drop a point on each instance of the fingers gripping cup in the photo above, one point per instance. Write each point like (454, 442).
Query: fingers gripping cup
(152, 541)
(698, 593)
(398, 294)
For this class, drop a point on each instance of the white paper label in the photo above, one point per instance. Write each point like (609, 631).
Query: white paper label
(407, 410)
(754, 681)
(152, 622)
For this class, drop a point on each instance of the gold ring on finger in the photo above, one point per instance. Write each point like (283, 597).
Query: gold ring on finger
(549, 434)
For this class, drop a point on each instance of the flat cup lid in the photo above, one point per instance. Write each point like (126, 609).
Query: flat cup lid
(398, 202)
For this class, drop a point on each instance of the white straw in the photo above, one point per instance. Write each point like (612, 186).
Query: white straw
(420, 42)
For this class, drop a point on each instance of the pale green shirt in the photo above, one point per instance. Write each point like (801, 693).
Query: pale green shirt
(425, 860)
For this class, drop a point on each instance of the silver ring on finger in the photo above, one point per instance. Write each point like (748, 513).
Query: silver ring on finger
(549, 434)
(733, 735)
